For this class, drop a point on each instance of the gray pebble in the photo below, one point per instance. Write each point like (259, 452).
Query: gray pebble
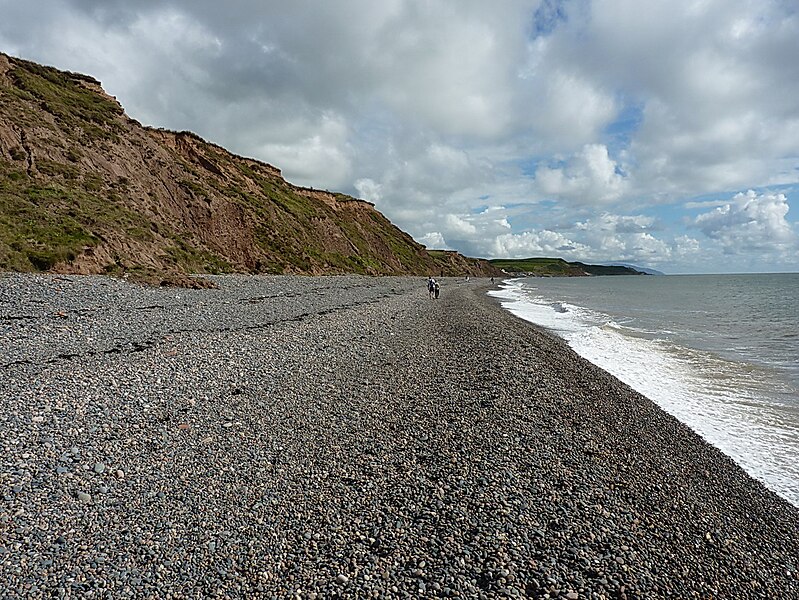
(375, 441)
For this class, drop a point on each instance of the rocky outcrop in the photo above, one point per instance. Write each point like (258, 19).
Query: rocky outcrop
(86, 189)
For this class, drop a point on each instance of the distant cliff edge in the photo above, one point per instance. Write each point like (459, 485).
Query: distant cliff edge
(557, 267)
(86, 189)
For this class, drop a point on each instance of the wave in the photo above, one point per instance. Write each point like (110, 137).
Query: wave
(734, 405)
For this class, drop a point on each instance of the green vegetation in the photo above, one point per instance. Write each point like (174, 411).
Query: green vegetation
(185, 255)
(188, 207)
(66, 98)
(53, 169)
(195, 188)
(557, 267)
(36, 239)
(45, 223)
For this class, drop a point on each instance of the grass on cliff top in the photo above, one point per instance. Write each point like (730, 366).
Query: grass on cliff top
(539, 266)
(64, 96)
(558, 267)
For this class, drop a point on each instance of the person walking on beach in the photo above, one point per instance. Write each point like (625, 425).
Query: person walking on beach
(436, 289)
(431, 286)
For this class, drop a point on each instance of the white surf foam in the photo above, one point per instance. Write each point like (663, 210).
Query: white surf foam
(718, 399)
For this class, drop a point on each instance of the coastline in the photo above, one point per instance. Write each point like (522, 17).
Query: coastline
(342, 436)
(731, 379)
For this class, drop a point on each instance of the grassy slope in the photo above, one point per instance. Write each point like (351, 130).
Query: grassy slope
(558, 267)
(57, 205)
(52, 218)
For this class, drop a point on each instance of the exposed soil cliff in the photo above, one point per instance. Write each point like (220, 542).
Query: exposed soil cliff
(86, 189)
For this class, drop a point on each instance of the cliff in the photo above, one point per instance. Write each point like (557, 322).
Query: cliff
(557, 267)
(86, 189)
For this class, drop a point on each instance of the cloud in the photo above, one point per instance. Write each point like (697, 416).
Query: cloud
(750, 222)
(460, 226)
(369, 190)
(535, 243)
(589, 177)
(434, 240)
(324, 155)
(687, 249)
(571, 110)
(450, 65)
(623, 238)
(575, 120)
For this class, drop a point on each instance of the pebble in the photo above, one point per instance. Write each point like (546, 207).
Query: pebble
(374, 443)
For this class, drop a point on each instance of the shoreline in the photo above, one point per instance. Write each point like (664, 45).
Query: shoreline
(742, 405)
(342, 436)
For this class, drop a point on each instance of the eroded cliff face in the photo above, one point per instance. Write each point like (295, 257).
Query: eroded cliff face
(86, 189)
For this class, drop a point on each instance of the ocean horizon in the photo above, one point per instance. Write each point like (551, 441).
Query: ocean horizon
(718, 352)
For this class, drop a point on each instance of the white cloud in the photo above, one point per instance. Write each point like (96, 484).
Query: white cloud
(589, 177)
(572, 110)
(324, 155)
(536, 243)
(459, 226)
(434, 240)
(750, 222)
(623, 238)
(687, 248)
(369, 190)
(433, 110)
(607, 222)
(450, 65)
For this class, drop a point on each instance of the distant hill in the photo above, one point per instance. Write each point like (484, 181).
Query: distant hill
(557, 267)
(86, 189)
(644, 270)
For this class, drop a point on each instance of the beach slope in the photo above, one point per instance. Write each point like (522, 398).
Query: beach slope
(349, 437)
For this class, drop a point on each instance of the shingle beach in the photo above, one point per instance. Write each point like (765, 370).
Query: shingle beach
(348, 437)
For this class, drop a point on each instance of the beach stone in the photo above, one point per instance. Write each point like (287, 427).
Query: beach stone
(382, 443)
(99, 468)
(84, 497)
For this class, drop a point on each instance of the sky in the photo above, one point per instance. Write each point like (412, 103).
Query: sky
(662, 133)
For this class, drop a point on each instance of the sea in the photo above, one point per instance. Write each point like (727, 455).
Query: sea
(718, 352)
